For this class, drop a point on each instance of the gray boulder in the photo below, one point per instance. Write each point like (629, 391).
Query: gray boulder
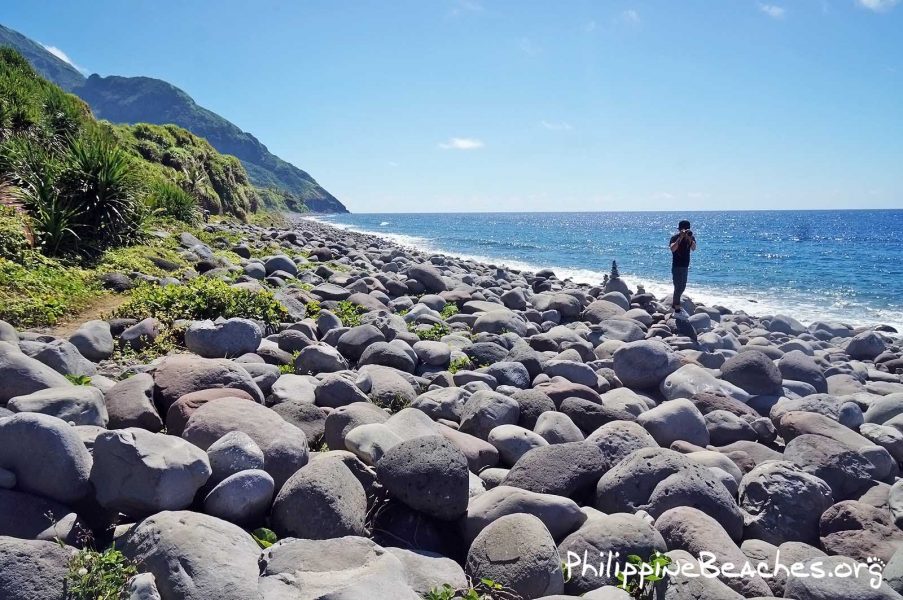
(865, 346)
(798, 366)
(675, 420)
(753, 372)
(63, 357)
(243, 497)
(78, 404)
(137, 472)
(561, 516)
(322, 500)
(486, 410)
(33, 569)
(193, 556)
(690, 380)
(223, 338)
(284, 446)
(231, 454)
(857, 586)
(569, 469)
(93, 340)
(130, 403)
(846, 471)
(22, 375)
(518, 550)
(428, 474)
(782, 503)
(657, 479)
(644, 364)
(513, 442)
(46, 455)
(428, 276)
(180, 374)
(320, 358)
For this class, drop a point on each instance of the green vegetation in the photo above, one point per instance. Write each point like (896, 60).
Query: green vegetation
(459, 364)
(201, 298)
(640, 584)
(434, 333)
(349, 313)
(14, 232)
(38, 291)
(395, 404)
(79, 379)
(264, 537)
(449, 310)
(94, 575)
(167, 198)
(484, 589)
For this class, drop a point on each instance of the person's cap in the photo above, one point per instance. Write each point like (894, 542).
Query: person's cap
(683, 224)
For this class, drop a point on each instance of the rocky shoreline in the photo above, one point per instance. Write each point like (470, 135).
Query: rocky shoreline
(423, 426)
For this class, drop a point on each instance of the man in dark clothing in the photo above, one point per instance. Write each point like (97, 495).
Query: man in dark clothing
(682, 243)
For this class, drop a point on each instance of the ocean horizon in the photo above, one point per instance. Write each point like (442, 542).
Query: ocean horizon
(814, 265)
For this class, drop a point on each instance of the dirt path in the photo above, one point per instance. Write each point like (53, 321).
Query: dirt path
(98, 309)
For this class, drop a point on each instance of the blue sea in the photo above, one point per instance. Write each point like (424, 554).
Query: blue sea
(814, 265)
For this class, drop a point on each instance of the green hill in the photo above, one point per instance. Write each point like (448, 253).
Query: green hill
(133, 100)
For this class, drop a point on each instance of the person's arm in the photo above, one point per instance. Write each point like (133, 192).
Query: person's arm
(675, 244)
(693, 243)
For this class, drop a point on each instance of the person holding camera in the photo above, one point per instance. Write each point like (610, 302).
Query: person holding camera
(682, 243)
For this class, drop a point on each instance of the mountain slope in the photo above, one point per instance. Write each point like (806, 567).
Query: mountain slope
(133, 100)
(148, 100)
(49, 66)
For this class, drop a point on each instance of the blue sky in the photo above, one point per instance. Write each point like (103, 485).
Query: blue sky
(476, 105)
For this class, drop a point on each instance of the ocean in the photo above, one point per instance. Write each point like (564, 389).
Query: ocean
(842, 266)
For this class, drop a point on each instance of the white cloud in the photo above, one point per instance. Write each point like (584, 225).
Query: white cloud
(556, 126)
(528, 47)
(878, 5)
(64, 57)
(630, 16)
(462, 7)
(461, 144)
(773, 11)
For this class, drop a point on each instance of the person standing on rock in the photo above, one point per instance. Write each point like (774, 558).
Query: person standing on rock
(682, 243)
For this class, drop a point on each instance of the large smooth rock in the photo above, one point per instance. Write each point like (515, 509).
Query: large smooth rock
(22, 375)
(243, 497)
(77, 404)
(46, 455)
(846, 471)
(428, 276)
(320, 501)
(320, 358)
(223, 338)
(855, 586)
(426, 571)
(798, 366)
(865, 346)
(180, 374)
(617, 535)
(345, 418)
(500, 321)
(686, 528)
(690, 380)
(561, 516)
(753, 372)
(130, 403)
(569, 469)
(675, 420)
(429, 474)
(63, 357)
(644, 364)
(31, 517)
(93, 340)
(181, 410)
(860, 531)
(284, 446)
(485, 410)
(137, 472)
(518, 550)
(231, 454)
(513, 442)
(783, 503)
(388, 354)
(195, 556)
(33, 570)
(442, 403)
(353, 342)
(348, 567)
(657, 479)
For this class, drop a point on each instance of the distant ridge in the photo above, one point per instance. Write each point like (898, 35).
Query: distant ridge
(146, 100)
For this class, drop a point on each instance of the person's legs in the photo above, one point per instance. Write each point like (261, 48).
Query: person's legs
(679, 276)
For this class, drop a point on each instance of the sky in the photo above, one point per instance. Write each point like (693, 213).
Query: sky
(478, 105)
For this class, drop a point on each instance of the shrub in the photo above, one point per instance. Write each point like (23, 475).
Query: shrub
(202, 298)
(434, 333)
(458, 364)
(168, 199)
(349, 313)
(38, 291)
(449, 310)
(98, 181)
(97, 575)
(13, 233)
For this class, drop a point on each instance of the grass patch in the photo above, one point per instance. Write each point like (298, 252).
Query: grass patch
(449, 310)
(349, 313)
(201, 298)
(459, 364)
(94, 575)
(40, 291)
(434, 333)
